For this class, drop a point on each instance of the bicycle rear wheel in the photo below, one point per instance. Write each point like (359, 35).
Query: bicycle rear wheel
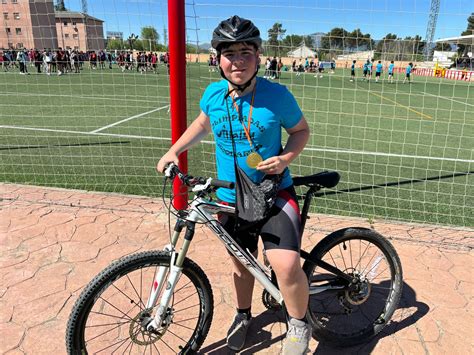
(107, 316)
(358, 312)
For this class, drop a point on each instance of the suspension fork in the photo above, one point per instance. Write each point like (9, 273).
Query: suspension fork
(160, 273)
(175, 268)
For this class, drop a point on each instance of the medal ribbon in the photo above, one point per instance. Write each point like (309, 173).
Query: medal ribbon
(249, 120)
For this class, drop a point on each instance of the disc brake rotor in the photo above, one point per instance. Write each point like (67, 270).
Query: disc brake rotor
(361, 292)
(136, 331)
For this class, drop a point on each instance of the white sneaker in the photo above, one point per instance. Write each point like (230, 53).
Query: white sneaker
(297, 338)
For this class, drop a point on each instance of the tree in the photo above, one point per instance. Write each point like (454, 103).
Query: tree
(335, 39)
(463, 49)
(355, 39)
(60, 6)
(291, 42)
(149, 37)
(442, 46)
(386, 47)
(165, 36)
(339, 40)
(113, 44)
(275, 35)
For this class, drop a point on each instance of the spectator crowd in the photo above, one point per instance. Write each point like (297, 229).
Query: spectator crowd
(62, 61)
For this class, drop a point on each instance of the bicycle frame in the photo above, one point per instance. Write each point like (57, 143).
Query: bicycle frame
(201, 211)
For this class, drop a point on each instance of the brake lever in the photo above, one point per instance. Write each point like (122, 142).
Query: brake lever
(169, 170)
(202, 187)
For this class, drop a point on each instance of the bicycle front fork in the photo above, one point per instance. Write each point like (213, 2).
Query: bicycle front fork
(174, 270)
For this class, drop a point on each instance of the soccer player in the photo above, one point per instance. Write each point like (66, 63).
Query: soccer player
(353, 73)
(365, 70)
(408, 73)
(378, 71)
(369, 70)
(390, 72)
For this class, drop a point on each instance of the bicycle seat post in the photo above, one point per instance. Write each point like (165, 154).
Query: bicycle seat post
(307, 203)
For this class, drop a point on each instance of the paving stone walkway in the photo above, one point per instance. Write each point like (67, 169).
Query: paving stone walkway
(53, 241)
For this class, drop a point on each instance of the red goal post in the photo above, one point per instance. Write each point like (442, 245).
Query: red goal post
(177, 69)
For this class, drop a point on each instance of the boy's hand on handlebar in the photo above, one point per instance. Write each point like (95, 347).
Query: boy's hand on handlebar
(169, 157)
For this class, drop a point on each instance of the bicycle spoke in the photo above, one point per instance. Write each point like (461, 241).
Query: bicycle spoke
(123, 342)
(341, 253)
(107, 347)
(184, 309)
(177, 336)
(106, 324)
(185, 320)
(139, 297)
(107, 315)
(110, 304)
(108, 331)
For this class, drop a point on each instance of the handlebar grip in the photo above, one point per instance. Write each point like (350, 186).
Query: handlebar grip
(222, 183)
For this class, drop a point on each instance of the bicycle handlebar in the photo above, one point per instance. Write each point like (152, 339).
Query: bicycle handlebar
(173, 171)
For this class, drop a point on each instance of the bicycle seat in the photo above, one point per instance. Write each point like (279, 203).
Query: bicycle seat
(325, 179)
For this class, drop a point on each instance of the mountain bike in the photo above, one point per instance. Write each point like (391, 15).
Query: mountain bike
(161, 302)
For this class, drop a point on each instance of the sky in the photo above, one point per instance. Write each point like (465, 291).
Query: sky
(301, 17)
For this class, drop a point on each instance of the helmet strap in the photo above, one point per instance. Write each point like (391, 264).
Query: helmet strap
(237, 87)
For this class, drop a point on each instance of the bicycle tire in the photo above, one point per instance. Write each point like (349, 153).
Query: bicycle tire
(324, 319)
(92, 307)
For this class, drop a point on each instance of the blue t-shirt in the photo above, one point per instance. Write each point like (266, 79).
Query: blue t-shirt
(369, 67)
(378, 68)
(390, 68)
(274, 107)
(353, 66)
(408, 71)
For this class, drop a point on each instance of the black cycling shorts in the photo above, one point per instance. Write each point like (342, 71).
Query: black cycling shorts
(280, 230)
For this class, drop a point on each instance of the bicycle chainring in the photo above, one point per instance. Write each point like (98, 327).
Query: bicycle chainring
(269, 302)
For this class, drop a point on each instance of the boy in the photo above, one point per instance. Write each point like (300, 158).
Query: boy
(369, 70)
(353, 73)
(257, 110)
(378, 71)
(390, 72)
(365, 70)
(408, 73)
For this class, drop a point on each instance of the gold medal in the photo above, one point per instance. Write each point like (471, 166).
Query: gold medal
(253, 159)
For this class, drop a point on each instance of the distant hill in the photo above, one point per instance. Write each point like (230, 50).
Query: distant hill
(203, 47)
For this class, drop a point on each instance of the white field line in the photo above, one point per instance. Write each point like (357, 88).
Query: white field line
(128, 119)
(86, 133)
(212, 143)
(378, 154)
(389, 155)
(103, 97)
(447, 98)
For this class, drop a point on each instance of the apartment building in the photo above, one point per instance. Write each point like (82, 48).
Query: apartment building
(35, 24)
(27, 24)
(79, 31)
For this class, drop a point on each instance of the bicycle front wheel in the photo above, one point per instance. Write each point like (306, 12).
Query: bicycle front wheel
(107, 316)
(354, 313)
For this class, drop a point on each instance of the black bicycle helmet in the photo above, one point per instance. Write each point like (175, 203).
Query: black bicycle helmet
(234, 30)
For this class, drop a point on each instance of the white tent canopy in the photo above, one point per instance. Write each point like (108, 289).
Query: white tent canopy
(467, 40)
(301, 52)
